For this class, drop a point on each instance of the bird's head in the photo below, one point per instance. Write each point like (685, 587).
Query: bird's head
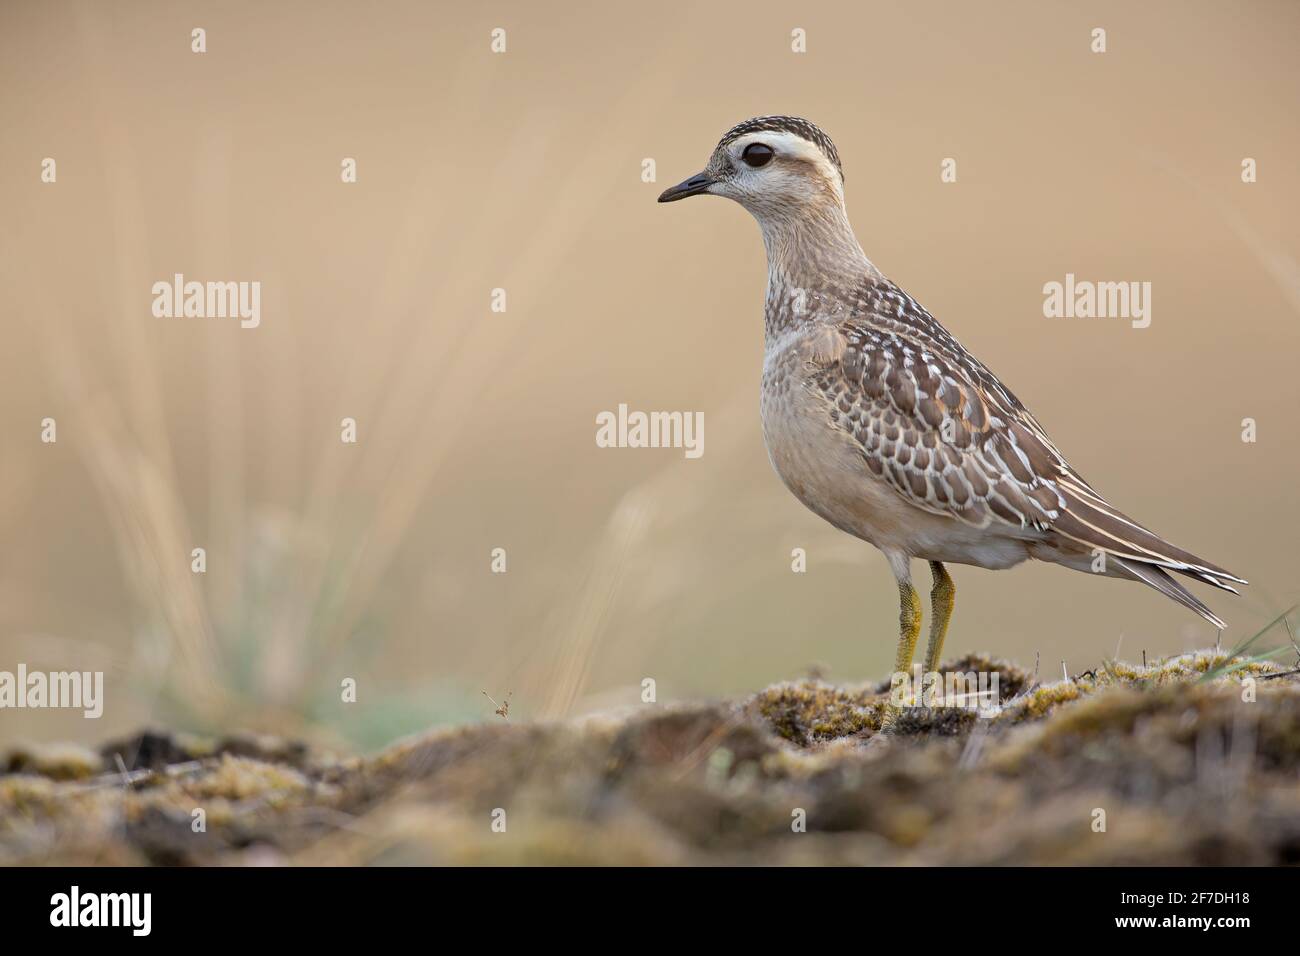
(777, 167)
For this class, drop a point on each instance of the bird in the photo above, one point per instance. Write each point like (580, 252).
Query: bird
(881, 423)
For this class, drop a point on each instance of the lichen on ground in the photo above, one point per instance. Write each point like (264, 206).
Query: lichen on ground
(1186, 761)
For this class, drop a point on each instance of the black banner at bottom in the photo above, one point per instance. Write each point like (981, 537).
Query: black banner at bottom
(333, 906)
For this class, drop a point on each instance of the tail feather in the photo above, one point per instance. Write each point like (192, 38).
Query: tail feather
(1158, 578)
(1206, 578)
(1089, 520)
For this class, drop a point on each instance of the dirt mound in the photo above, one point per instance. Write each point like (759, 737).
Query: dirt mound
(1188, 761)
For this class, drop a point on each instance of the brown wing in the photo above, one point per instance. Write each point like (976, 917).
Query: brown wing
(931, 432)
(940, 428)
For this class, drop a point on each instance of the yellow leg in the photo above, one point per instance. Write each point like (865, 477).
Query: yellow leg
(909, 626)
(909, 629)
(942, 599)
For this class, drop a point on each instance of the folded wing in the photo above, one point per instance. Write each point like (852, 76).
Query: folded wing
(938, 426)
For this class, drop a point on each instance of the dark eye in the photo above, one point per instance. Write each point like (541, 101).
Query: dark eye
(756, 154)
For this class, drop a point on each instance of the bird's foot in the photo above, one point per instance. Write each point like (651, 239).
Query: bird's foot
(882, 738)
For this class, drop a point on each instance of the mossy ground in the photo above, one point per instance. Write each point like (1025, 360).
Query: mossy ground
(1184, 765)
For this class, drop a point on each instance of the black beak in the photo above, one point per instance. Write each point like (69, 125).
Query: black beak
(697, 184)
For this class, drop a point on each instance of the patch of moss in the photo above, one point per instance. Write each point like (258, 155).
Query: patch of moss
(1041, 700)
(810, 712)
(1012, 679)
(923, 722)
(55, 761)
(241, 778)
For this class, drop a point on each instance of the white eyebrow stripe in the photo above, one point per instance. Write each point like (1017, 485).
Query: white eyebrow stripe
(788, 144)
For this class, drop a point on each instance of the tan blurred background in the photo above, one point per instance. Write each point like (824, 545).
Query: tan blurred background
(522, 171)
